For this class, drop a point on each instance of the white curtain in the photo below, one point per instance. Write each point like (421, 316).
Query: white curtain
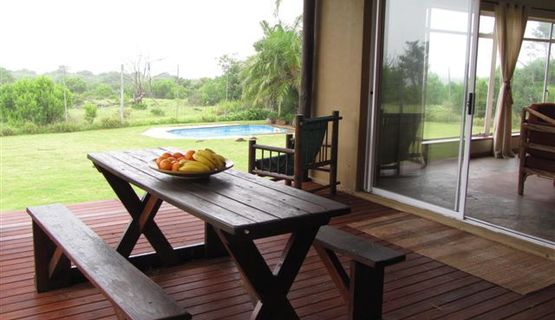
(510, 22)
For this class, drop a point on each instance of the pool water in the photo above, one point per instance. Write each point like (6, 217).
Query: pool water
(226, 131)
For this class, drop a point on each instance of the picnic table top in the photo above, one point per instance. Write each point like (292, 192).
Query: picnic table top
(235, 202)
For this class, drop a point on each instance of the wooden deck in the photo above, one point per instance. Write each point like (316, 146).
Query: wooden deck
(419, 288)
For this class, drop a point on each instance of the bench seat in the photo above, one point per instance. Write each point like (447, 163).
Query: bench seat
(61, 238)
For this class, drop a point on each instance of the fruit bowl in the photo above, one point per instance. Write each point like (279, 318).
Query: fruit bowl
(186, 175)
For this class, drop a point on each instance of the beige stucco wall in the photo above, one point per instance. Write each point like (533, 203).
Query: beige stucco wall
(338, 77)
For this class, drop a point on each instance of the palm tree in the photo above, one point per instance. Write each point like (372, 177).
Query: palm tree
(272, 76)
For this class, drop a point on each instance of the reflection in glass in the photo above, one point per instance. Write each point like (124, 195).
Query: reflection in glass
(422, 93)
(551, 78)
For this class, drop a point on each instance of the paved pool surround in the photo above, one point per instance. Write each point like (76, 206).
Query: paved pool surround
(216, 131)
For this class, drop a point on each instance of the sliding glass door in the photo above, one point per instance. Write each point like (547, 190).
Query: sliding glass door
(422, 95)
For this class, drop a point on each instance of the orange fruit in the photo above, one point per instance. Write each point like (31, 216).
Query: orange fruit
(189, 154)
(177, 155)
(175, 166)
(165, 164)
(165, 155)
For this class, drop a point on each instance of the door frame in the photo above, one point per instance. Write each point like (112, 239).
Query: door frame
(377, 45)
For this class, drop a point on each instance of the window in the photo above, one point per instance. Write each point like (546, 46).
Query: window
(533, 78)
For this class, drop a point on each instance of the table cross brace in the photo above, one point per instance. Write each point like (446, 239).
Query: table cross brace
(269, 288)
(142, 212)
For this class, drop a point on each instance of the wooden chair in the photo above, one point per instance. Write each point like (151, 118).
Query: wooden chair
(537, 143)
(313, 148)
(403, 133)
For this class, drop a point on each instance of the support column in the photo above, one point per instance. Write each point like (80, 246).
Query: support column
(308, 53)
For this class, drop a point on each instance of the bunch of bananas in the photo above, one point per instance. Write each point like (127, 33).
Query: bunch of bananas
(204, 161)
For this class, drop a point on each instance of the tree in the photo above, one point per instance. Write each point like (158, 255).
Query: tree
(76, 84)
(164, 89)
(232, 74)
(272, 76)
(212, 91)
(103, 90)
(140, 73)
(37, 100)
(6, 76)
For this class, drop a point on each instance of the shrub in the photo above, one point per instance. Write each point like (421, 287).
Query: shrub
(90, 111)
(6, 130)
(237, 110)
(441, 113)
(157, 112)
(64, 127)
(76, 84)
(164, 89)
(110, 122)
(139, 106)
(272, 115)
(103, 90)
(30, 128)
(37, 100)
(208, 118)
(288, 118)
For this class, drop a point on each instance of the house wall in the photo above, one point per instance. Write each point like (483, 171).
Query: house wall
(338, 78)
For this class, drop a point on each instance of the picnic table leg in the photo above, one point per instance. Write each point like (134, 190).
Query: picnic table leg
(213, 246)
(270, 288)
(142, 212)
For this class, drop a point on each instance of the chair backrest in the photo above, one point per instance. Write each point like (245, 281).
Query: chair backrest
(314, 139)
(403, 133)
(541, 137)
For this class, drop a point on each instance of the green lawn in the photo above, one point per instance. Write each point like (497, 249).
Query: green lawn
(48, 168)
(173, 110)
(438, 130)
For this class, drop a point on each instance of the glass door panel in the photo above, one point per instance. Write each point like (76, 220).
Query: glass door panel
(422, 90)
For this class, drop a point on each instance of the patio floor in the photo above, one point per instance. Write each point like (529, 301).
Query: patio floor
(419, 288)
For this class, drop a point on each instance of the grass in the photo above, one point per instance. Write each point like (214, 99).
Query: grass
(438, 130)
(174, 110)
(49, 168)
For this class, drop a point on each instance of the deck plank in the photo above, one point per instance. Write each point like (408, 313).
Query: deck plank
(418, 288)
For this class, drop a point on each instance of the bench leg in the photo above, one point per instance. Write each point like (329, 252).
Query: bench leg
(366, 290)
(52, 267)
(336, 270)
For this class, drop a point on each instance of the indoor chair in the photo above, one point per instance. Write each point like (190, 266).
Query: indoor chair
(537, 143)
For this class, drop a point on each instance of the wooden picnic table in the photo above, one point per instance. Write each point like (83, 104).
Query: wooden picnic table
(237, 208)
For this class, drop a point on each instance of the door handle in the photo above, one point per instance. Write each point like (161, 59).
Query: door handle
(470, 104)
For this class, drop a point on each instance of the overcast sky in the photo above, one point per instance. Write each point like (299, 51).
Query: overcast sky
(99, 35)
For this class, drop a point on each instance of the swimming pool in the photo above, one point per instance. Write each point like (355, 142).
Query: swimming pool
(213, 132)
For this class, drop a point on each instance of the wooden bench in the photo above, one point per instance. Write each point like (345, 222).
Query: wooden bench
(60, 238)
(363, 290)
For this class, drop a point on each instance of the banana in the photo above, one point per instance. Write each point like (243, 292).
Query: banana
(204, 160)
(194, 167)
(210, 150)
(216, 159)
(220, 161)
(206, 154)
